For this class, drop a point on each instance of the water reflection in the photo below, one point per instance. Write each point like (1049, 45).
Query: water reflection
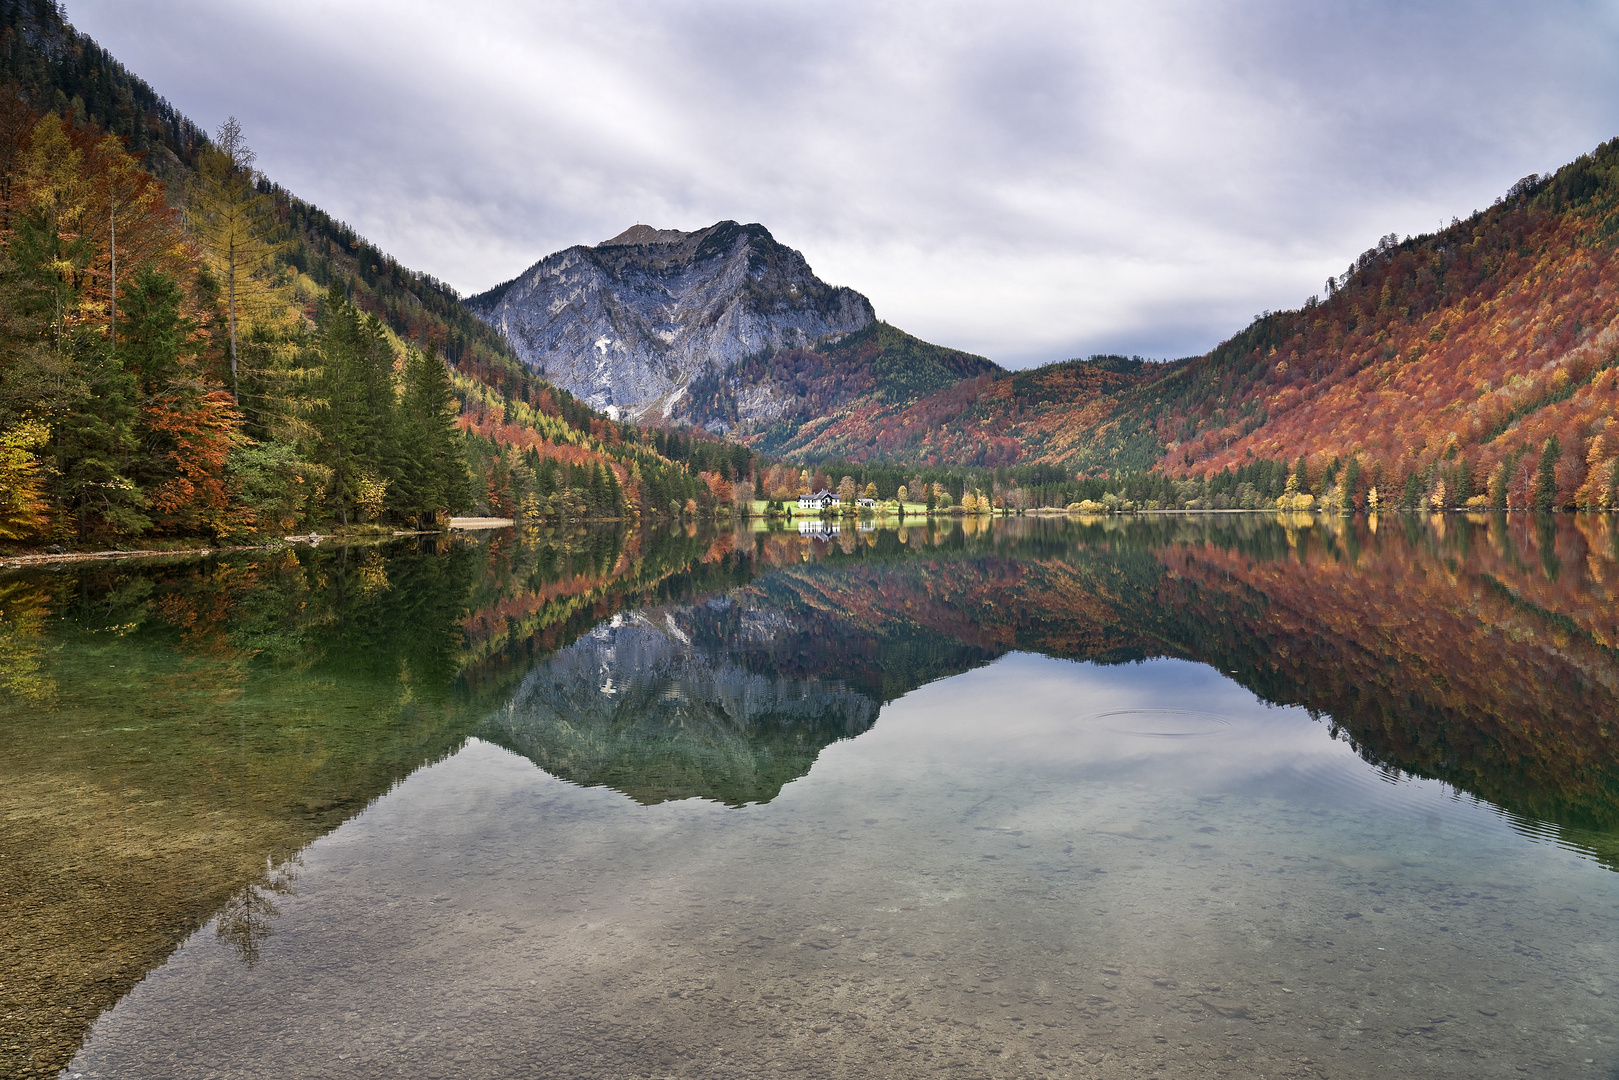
(654, 704)
(966, 886)
(248, 917)
(200, 718)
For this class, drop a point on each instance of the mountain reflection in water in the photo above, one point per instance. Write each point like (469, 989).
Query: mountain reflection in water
(223, 713)
(653, 704)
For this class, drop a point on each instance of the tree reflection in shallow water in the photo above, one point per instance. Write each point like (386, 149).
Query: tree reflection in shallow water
(247, 918)
(226, 712)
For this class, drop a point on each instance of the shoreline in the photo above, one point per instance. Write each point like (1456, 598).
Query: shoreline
(22, 561)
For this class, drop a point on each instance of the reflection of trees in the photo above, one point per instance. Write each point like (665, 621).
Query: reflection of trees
(244, 923)
(1484, 653)
(274, 694)
(23, 606)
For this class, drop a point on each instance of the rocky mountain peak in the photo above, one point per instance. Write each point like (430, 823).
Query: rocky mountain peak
(644, 234)
(627, 324)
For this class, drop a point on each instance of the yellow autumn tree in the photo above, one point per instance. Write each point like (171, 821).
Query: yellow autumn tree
(22, 482)
(235, 224)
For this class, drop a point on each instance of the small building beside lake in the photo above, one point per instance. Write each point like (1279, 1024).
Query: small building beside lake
(821, 500)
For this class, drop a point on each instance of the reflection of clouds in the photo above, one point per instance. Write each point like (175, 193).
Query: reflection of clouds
(483, 916)
(1065, 721)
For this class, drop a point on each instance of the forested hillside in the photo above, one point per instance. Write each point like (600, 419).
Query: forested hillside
(990, 418)
(190, 350)
(849, 383)
(1475, 363)
(1479, 357)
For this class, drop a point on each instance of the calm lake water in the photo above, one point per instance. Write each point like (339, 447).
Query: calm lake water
(1177, 796)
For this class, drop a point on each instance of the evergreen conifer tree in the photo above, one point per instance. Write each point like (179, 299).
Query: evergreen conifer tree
(357, 418)
(432, 462)
(1412, 497)
(1545, 495)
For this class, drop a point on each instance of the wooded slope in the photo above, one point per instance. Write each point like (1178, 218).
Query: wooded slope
(223, 396)
(1475, 344)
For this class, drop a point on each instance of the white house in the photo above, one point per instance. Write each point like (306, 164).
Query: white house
(819, 529)
(821, 500)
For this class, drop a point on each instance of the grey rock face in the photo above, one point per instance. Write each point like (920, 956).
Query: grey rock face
(626, 325)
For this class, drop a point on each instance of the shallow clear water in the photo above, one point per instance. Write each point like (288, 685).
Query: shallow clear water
(1000, 876)
(860, 815)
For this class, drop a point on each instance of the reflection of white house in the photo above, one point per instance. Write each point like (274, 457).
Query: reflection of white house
(820, 530)
(821, 500)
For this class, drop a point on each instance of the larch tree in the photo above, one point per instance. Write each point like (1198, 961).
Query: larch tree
(234, 222)
(846, 491)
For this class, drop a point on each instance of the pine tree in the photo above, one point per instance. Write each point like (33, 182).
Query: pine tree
(432, 461)
(1412, 498)
(357, 417)
(1545, 494)
(614, 504)
(596, 491)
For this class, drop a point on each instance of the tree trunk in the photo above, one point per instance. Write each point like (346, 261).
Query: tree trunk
(235, 383)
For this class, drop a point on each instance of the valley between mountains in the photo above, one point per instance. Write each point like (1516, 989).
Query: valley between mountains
(1491, 343)
(316, 383)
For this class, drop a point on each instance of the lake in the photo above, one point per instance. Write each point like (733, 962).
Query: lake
(1224, 795)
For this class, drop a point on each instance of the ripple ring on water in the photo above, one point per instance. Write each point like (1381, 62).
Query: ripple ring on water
(1163, 723)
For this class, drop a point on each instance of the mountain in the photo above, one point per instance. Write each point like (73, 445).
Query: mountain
(777, 401)
(627, 324)
(988, 418)
(1489, 344)
(108, 416)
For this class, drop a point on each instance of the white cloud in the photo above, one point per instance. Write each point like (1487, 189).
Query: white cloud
(1030, 181)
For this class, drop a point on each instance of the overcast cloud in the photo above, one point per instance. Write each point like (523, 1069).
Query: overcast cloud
(1031, 181)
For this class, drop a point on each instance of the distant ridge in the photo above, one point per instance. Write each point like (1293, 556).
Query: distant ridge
(1482, 359)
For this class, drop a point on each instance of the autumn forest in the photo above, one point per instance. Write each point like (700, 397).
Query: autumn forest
(191, 352)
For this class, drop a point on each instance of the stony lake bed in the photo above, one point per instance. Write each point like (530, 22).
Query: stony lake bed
(1179, 797)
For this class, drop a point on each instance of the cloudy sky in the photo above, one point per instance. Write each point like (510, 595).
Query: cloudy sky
(1031, 181)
